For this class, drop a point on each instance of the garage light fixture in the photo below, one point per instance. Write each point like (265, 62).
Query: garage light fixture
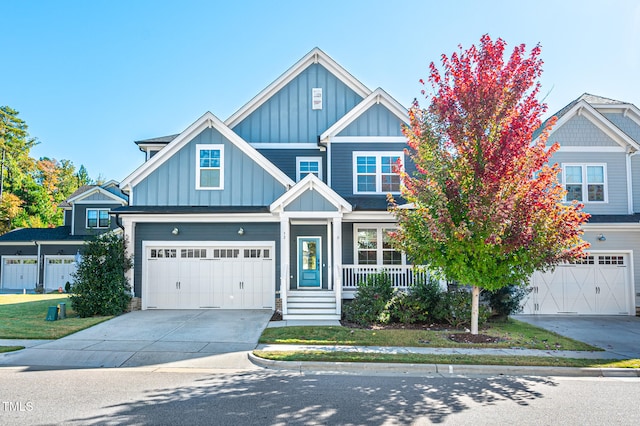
(241, 231)
(175, 231)
(601, 237)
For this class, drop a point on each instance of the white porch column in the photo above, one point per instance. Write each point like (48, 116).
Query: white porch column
(284, 261)
(337, 262)
(129, 245)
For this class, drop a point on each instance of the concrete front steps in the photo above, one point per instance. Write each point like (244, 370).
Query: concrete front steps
(311, 305)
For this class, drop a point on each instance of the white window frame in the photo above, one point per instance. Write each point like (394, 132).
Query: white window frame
(585, 183)
(86, 222)
(378, 155)
(202, 147)
(299, 160)
(380, 228)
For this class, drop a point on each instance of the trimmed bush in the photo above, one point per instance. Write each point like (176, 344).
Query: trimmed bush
(506, 301)
(370, 303)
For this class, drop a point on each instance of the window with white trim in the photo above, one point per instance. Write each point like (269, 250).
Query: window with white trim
(308, 165)
(373, 246)
(586, 183)
(97, 218)
(210, 166)
(375, 172)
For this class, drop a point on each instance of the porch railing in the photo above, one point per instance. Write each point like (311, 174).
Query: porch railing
(402, 276)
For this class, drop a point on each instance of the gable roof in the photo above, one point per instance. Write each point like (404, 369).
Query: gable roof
(311, 183)
(109, 189)
(60, 233)
(585, 106)
(207, 120)
(315, 56)
(378, 96)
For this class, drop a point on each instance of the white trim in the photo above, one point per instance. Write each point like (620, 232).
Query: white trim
(585, 183)
(210, 147)
(629, 176)
(379, 243)
(319, 261)
(207, 120)
(86, 221)
(311, 182)
(378, 174)
(87, 202)
(285, 145)
(369, 139)
(308, 160)
(200, 218)
(378, 96)
(612, 226)
(315, 56)
(42, 243)
(606, 149)
(373, 216)
(78, 198)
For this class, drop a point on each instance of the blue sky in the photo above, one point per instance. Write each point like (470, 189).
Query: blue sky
(90, 77)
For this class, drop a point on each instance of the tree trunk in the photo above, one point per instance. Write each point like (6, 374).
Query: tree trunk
(475, 303)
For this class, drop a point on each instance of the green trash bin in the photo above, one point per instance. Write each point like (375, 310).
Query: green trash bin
(52, 313)
(62, 311)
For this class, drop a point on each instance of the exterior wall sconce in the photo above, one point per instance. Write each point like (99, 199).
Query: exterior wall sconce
(601, 237)
(175, 231)
(60, 252)
(241, 231)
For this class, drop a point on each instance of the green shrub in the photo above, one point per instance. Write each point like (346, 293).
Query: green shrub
(369, 305)
(405, 308)
(455, 309)
(506, 301)
(100, 286)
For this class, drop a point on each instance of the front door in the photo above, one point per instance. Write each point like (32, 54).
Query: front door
(309, 262)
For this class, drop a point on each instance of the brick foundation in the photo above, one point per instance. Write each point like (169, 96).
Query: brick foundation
(135, 304)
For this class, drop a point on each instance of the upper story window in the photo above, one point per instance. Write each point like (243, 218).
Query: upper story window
(585, 182)
(97, 218)
(209, 166)
(373, 246)
(308, 165)
(375, 172)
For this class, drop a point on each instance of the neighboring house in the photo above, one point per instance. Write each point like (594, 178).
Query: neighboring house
(46, 257)
(283, 205)
(599, 144)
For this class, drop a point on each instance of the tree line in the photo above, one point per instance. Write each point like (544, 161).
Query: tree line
(30, 189)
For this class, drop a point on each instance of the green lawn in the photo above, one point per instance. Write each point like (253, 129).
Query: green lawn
(23, 317)
(512, 334)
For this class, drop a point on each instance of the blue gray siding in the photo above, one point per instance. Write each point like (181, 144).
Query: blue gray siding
(174, 182)
(580, 131)
(307, 231)
(203, 232)
(616, 178)
(285, 159)
(626, 124)
(287, 116)
(80, 223)
(347, 243)
(310, 201)
(376, 121)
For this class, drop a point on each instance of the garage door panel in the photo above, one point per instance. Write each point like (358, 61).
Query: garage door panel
(19, 272)
(612, 290)
(578, 290)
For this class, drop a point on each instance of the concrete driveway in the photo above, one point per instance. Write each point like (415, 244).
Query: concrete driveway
(616, 334)
(195, 338)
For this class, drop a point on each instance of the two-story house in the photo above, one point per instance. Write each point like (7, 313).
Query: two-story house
(46, 258)
(283, 205)
(600, 167)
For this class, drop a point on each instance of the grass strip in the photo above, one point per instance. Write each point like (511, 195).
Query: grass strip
(331, 356)
(512, 334)
(10, 348)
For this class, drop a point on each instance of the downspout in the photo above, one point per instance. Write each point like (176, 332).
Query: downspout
(630, 182)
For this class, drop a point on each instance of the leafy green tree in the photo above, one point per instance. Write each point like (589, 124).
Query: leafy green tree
(101, 287)
(487, 208)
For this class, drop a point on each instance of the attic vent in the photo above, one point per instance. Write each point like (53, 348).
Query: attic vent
(316, 98)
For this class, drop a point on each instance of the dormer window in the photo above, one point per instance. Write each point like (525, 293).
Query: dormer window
(97, 218)
(308, 165)
(209, 166)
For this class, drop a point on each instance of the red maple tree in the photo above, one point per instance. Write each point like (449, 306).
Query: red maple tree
(485, 207)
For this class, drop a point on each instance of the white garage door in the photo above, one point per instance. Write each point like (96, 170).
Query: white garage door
(58, 270)
(19, 272)
(597, 285)
(220, 276)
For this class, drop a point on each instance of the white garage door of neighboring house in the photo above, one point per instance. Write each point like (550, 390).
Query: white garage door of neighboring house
(19, 272)
(598, 285)
(220, 276)
(58, 270)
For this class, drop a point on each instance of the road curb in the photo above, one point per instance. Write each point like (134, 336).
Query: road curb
(438, 369)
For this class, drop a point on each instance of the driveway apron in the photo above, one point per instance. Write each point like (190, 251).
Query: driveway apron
(194, 338)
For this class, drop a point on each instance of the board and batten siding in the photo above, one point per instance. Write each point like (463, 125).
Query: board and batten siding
(376, 121)
(342, 172)
(310, 201)
(616, 179)
(173, 183)
(287, 116)
(205, 233)
(580, 131)
(285, 159)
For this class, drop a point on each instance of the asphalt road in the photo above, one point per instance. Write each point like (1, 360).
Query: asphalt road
(263, 397)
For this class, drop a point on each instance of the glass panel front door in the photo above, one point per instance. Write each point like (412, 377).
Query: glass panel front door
(309, 261)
